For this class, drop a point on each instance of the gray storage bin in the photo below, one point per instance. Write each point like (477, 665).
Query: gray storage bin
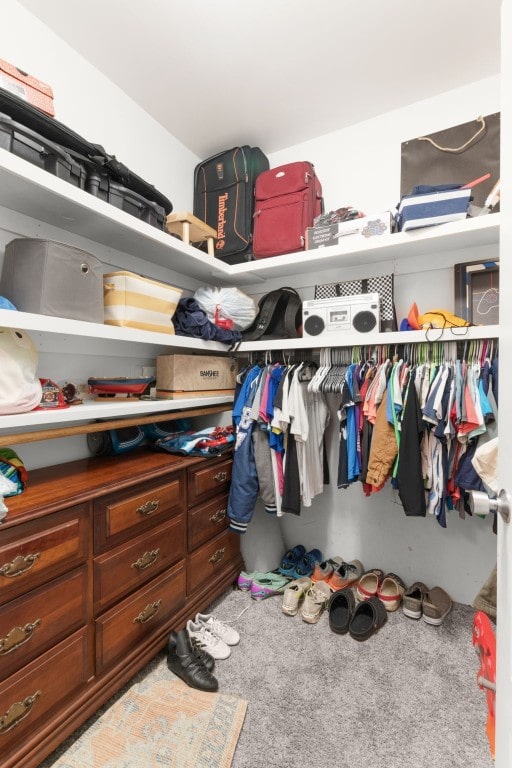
(50, 278)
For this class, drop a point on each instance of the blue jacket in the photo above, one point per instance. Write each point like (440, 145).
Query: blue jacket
(244, 489)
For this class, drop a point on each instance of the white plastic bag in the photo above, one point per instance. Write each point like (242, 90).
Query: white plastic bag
(227, 308)
(20, 389)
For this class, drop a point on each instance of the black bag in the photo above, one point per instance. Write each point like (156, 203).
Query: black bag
(224, 199)
(457, 155)
(279, 316)
(29, 133)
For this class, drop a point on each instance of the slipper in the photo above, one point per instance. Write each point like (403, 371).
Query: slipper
(290, 560)
(368, 617)
(306, 563)
(369, 583)
(245, 579)
(391, 591)
(269, 584)
(341, 608)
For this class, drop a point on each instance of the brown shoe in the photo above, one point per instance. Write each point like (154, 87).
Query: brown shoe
(437, 604)
(413, 600)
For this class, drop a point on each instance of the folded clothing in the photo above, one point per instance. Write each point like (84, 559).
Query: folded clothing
(191, 320)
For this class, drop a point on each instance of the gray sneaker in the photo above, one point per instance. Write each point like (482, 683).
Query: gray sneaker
(437, 604)
(315, 602)
(294, 594)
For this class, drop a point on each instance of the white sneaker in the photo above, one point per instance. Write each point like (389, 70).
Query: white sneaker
(229, 635)
(208, 641)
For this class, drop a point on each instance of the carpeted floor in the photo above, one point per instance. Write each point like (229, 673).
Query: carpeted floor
(405, 698)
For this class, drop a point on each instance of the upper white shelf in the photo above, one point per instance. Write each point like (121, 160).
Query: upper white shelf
(36, 193)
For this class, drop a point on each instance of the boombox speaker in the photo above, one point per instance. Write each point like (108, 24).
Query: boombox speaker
(327, 317)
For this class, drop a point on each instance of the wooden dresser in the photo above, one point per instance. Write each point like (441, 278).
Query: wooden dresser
(99, 560)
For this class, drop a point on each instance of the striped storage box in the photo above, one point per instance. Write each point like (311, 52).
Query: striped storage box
(138, 302)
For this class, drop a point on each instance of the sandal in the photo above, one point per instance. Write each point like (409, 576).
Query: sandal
(306, 564)
(369, 583)
(368, 617)
(341, 608)
(290, 560)
(391, 591)
(269, 584)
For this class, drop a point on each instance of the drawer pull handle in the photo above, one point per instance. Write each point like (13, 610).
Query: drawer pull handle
(149, 507)
(17, 636)
(21, 564)
(17, 712)
(218, 555)
(221, 477)
(147, 559)
(149, 612)
(219, 516)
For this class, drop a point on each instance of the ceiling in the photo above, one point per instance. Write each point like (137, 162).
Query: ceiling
(274, 73)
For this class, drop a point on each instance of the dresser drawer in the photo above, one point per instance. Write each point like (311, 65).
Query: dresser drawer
(34, 553)
(30, 697)
(208, 562)
(31, 624)
(120, 630)
(123, 515)
(208, 479)
(131, 565)
(207, 520)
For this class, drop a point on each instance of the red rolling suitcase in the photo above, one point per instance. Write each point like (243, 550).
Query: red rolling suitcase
(288, 198)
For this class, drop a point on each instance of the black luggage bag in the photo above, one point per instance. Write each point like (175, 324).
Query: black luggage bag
(224, 199)
(29, 133)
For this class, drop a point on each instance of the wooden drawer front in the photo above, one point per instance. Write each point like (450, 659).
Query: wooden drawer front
(29, 697)
(132, 565)
(121, 516)
(120, 630)
(207, 520)
(31, 624)
(210, 560)
(208, 479)
(33, 553)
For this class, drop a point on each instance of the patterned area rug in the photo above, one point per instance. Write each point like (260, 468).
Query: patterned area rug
(157, 722)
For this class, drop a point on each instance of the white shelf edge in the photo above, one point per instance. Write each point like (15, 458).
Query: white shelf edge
(351, 251)
(355, 339)
(65, 327)
(92, 410)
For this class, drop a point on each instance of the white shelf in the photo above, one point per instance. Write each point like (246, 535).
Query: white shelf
(355, 339)
(356, 251)
(78, 336)
(114, 408)
(36, 193)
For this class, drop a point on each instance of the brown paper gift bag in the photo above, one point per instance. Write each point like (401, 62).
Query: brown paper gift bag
(455, 155)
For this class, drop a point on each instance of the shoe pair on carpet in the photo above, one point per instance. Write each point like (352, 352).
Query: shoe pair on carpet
(192, 652)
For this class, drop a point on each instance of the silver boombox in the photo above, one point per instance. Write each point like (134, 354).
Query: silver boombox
(325, 317)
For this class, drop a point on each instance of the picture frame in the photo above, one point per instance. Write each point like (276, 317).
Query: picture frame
(477, 292)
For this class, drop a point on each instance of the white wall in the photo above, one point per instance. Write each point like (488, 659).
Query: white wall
(91, 105)
(359, 166)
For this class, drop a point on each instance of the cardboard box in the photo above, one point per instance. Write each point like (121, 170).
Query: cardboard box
(26, 87)
(434, 208)
(194, 373)
(377, 225)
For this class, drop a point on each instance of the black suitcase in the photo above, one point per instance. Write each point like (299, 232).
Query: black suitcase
(224, 199)
(44, 141)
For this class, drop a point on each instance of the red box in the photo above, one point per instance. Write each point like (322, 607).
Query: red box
(26, 87)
